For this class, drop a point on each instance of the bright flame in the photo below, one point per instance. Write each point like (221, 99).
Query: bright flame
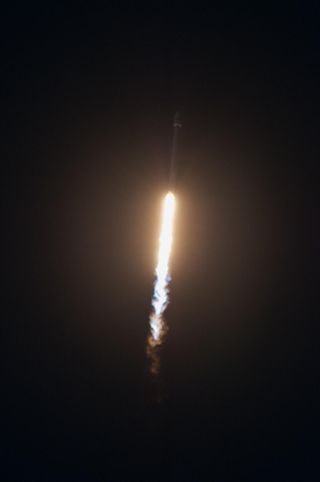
(160, 298)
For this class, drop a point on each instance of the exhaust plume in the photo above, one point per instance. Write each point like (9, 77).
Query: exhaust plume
(160, 297)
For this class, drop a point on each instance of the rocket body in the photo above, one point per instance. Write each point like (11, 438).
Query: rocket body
(173, 163)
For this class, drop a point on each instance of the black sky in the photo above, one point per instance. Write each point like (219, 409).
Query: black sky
(88, 97)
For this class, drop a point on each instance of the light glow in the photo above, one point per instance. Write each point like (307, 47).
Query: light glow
(160, 297)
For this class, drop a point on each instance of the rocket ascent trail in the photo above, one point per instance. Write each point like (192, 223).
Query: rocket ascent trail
(173, 164)
(160, 297)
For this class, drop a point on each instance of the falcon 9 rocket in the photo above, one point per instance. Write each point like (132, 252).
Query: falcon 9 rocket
(173, 164)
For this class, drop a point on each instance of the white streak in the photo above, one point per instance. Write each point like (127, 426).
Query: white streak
(160, 297)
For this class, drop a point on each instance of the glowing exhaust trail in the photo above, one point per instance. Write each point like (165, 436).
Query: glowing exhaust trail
(160, 297)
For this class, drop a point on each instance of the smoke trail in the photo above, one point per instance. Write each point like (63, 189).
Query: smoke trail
(160, 297)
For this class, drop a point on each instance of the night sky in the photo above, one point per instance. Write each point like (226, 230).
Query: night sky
(88, 96)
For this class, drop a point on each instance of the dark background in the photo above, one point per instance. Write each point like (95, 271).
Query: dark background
(88, 97)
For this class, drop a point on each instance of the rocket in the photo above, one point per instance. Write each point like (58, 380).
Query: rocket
(173, 164)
